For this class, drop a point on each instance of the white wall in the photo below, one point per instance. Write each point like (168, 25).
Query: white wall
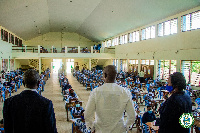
(59, 40)
(5, 50)
(180, 46)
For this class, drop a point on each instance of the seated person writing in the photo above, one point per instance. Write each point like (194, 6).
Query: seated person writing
(76, 111)
(72, 96)
(80, 124)
(148, 116)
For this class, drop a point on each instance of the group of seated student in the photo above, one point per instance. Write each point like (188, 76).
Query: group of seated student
(73, 50)
(43, 78)
(11, 81)
(76, 110)
(43, 50)
(85, 50)
(89, 79)
(150, 93)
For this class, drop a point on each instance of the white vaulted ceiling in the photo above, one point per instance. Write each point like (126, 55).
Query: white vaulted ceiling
(93, 19)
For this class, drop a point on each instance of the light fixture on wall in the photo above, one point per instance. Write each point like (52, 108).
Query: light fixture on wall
(177, 52)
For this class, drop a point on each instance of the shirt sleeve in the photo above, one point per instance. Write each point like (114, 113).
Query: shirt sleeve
(130, 112)
(89, 111)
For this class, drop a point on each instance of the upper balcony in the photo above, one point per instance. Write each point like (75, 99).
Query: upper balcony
(35, 52)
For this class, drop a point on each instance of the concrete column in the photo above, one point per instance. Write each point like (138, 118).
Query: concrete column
(155, 69)
(8, 37)
(89, 64)
(79, 49)
(64, 65)
(139, 65)
(1, 64)
(25, 48)
(8, 64)
(14, 64)
(38, 49)
(127, 62)
(91, 49)
(65, 49)
(51, 49)
(40, 65)
(178, 65)
(118, 66)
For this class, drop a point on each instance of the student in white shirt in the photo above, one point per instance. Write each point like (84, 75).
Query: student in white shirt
(109, 102)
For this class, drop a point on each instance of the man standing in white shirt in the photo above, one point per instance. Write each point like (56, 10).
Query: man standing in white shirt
(108, 102)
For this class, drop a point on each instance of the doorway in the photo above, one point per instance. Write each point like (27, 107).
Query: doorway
(70, 65)
(56, 65)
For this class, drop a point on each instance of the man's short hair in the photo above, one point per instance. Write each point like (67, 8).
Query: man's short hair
(110, 71)
(178, 81)
(31, 78)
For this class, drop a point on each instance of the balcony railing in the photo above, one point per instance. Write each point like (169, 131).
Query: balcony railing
(34, 49)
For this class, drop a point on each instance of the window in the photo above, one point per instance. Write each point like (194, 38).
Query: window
(196, 20)
(125, 39)
(190, 21)
(130, 37)
(137, 36)
(109, 43)
(116, 41)
(105, 44)
(113, 42)
(122, 39)
(134, 36)
(160, 29)
(148, 33)
(174, 26)
(168, 27)
(153, 32)
(143, 34)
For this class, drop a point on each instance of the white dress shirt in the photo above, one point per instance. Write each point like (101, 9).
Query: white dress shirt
(108, 102)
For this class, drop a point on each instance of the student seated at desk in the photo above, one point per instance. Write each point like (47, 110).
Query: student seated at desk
(80, 124)
(72, 96)
(76, 111)
(148, 116)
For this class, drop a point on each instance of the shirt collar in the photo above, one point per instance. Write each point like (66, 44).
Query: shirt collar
(30, 89)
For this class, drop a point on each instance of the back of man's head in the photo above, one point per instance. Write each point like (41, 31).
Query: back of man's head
(31, 78)
(110, 73)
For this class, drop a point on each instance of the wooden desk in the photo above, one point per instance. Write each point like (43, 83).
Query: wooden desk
(71, 104)
(152, 126)
(158, 100)
(165, 92)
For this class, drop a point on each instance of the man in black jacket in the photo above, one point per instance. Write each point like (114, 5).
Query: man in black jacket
(28, 112)
(177, 104)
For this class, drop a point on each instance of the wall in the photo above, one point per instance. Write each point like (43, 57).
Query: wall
(180, 46)
(108, 62)
(59, 40)
(5, 50)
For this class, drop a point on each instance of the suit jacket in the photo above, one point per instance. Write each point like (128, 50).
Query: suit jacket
(28, 112)
(171, 111)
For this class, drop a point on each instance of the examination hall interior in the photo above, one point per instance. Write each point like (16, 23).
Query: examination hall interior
(154, 38)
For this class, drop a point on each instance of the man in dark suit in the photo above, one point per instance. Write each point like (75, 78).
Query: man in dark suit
(28, 112)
